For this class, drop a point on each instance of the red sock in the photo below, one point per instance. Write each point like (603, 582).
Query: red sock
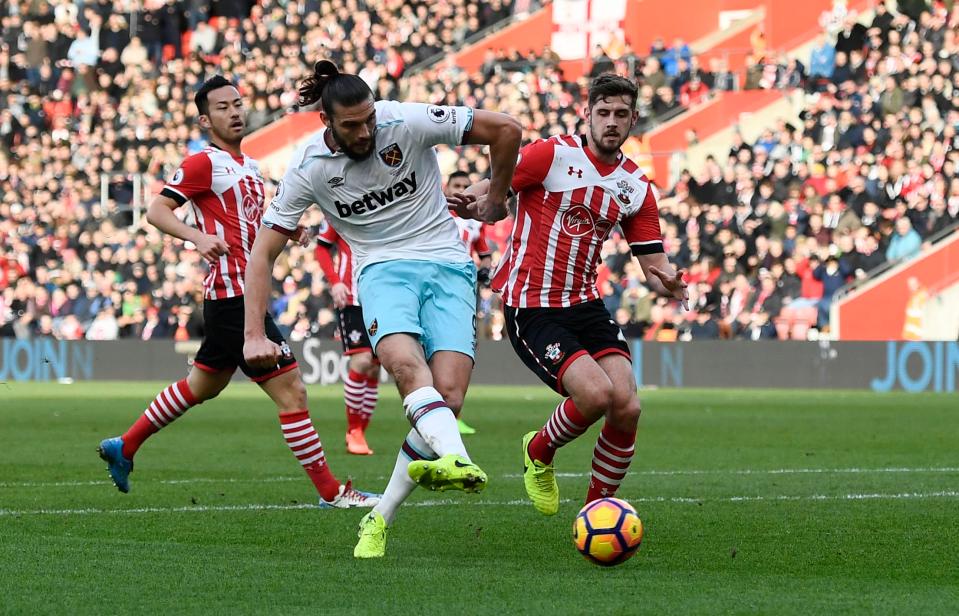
(354, 393)
(370, 399)
(305, 444)
(611, 458)
(164, 410)
(565, 424)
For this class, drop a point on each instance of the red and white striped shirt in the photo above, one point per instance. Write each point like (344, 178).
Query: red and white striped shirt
(569, 202)
(227, 196)
(342, 270)
(473, 234)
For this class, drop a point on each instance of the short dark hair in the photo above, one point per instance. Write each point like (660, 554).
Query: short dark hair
(213, 83)
(328, 85)
(611, 84)
(457, 174)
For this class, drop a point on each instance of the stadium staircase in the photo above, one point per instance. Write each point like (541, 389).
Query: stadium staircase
(913, 300)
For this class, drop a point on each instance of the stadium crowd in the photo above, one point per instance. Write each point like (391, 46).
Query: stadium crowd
(768, 234)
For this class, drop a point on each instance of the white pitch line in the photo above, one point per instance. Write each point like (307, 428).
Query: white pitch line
(107, 482)
(509, 503)
(649, 473)
(771, 471)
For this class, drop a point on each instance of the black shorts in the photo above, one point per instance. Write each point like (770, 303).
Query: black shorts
(549, 340)
(353, 331)
(222, 347)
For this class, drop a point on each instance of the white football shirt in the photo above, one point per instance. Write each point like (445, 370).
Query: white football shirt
(389, 206)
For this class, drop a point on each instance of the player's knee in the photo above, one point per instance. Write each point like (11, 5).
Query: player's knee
(626, 414)
(374, 369)
(204, 389)
(453, 396)
(408, 372)
(361, 362)
(598, 399)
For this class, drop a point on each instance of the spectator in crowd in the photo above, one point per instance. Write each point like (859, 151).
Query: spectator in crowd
(822, 59)
(905, 242)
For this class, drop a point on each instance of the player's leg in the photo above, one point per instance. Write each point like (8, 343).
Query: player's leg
(402, 356)
(285, 387)
(428, 412)
(614, 446)
(394, 294)
(447, 317)
(451, 377)
(372, 392)
(211, 372)
(372, 532)
(546, 340)
(616, 442)
(359, 401)
(464, 428)
(590, 395)
(356, 394)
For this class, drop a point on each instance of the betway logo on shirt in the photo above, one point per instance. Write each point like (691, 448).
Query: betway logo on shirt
(375, 199)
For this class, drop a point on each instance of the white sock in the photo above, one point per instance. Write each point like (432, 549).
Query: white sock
(435, 422)
(401, 486)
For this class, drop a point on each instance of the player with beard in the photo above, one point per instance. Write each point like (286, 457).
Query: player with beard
(374, 173)
(573, 190)
(225, 189)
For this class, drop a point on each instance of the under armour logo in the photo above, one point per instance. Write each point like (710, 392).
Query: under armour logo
(578, 172)
(604, 491)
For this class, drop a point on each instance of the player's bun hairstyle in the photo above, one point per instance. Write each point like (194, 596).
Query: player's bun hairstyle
(213, 83)
(611, 84)
(328, 85)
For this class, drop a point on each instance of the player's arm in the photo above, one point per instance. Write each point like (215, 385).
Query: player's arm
(431, 125)
(646, 243)
(257, 349)
(160, 215)
(324, 256)
(532, 166)
(293, 197)
(191, 179)
(503, 134)
(662, 278)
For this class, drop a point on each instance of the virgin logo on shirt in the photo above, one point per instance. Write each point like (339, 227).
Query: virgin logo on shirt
(578, 221)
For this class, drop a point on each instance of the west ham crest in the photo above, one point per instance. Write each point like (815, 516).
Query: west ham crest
(392, 155)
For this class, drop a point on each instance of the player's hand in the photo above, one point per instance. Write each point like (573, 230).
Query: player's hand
(460, 203)
(340, 294)
(261, 352)
(211, 247)
(302, 236)
(488, 209)
(674, 284)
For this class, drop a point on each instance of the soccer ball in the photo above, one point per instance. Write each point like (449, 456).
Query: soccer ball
(607, 531)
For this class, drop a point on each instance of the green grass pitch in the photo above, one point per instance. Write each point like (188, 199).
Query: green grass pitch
(781, 502)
